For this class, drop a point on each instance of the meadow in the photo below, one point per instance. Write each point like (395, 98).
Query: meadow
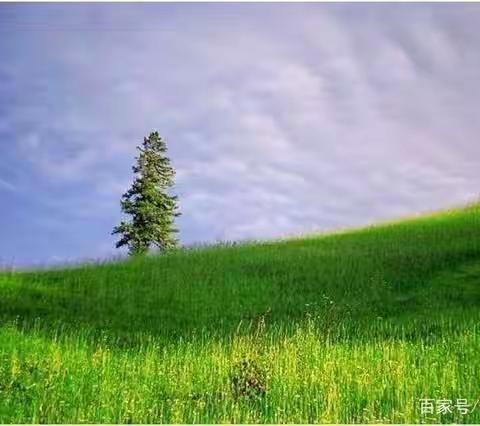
(348, 327)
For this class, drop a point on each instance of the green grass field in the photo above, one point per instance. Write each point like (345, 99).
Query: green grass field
(356, 326)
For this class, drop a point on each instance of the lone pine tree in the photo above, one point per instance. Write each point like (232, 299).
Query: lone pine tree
(151, 207)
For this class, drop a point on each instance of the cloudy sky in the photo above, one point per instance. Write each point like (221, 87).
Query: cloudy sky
(280, 118)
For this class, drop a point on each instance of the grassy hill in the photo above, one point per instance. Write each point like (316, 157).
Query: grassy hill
(356, 326)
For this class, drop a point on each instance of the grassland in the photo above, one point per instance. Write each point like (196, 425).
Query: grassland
(350, 327)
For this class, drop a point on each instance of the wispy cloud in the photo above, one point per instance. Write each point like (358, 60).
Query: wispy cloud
(6, 185)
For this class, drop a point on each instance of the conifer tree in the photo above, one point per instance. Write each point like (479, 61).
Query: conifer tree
(151, 207)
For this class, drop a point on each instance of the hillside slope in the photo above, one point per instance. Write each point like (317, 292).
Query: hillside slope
(403, 269)
(349, 327)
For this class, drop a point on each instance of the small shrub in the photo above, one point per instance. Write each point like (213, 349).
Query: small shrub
(248, 380)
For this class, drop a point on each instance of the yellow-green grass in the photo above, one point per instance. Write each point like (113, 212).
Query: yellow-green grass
(349, 327)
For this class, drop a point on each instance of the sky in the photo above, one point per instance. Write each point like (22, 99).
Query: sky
(281, 119)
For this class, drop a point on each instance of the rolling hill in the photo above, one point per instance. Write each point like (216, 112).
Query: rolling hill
(355, 326)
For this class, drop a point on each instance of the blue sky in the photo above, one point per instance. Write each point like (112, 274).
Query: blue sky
(281, 119)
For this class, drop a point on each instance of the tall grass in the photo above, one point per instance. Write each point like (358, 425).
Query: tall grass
(349, 327)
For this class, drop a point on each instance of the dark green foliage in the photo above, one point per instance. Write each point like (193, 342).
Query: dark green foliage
(151, 207)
